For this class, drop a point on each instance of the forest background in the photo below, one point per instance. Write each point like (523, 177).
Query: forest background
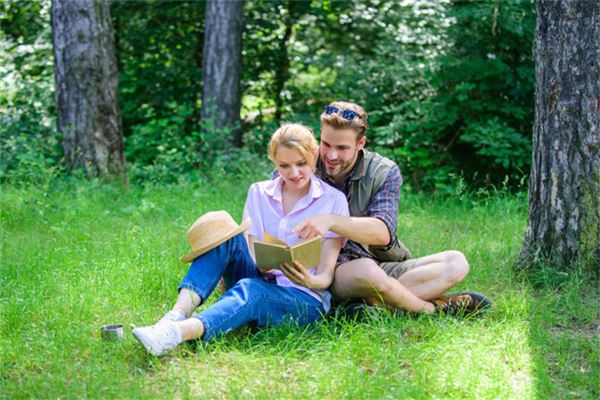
(448, 86)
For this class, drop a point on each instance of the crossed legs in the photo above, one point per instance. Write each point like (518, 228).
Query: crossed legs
(434, 275)
(429, 277)
(250, 299)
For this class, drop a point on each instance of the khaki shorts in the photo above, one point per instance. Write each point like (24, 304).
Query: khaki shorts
(395, 269)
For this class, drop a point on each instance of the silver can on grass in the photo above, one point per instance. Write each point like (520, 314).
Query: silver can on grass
(112, 332)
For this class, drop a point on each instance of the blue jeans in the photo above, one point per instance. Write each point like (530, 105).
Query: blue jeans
(251, 297)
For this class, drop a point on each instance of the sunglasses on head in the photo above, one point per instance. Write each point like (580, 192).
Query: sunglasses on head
(348, 115)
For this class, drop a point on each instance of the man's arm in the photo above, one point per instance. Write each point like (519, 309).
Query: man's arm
(365, 230)
(377, 227)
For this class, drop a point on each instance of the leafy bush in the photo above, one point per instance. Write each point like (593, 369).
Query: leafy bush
(501, 144)
(160, 148)
(448, 86)
(159, 52)
(29, 144)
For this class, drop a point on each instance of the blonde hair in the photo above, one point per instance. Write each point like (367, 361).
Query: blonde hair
(297, 137)
(336, 121)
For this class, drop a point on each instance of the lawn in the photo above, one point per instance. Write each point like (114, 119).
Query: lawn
(78, 255)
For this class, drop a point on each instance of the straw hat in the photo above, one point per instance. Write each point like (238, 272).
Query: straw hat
(210, 230)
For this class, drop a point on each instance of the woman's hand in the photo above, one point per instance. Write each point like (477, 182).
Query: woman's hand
(267, 273)
(298, 274)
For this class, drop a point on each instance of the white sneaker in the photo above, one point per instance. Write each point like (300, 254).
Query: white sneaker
(158, 339)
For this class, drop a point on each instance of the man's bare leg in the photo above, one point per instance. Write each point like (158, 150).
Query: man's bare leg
(365, 279)
(435, 274)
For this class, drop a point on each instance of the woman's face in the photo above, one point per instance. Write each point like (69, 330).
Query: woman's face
(295, 170)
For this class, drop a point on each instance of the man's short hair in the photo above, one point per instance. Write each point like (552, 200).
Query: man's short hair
(336, 120)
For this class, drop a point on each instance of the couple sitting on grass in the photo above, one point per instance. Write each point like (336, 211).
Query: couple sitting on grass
(339, 191)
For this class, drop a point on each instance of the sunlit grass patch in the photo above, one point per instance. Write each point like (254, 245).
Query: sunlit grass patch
(77, 255)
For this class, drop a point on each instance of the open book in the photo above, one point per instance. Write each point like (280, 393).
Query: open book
(272, 252)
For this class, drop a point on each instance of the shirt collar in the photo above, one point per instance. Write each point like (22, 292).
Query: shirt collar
(273, 188)
(358, 171)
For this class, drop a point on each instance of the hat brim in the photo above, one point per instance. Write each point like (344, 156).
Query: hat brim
(189, 257)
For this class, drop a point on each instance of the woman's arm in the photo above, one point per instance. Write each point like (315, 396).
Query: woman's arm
(298, 274)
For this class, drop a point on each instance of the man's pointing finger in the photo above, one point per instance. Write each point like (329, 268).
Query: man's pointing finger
(299, 227)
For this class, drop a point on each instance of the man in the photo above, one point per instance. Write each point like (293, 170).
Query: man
(374, 265)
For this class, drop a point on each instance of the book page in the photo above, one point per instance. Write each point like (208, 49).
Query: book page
(308, 253)
(268, 238)
(269, 256)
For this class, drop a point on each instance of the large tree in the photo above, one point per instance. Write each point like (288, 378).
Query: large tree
(564, 188)
(222, 66)
(86, 77)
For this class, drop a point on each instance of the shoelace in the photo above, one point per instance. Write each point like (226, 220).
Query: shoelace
(455, 305)
(164, 334)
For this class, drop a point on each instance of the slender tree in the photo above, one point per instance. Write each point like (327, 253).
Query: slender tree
(564, 188)
(86, 78)
(222, 66)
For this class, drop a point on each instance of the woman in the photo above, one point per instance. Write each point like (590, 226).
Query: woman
(267, 298)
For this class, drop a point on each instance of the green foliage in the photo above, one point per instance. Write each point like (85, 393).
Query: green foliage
(29, 143)
(469, 106)
(159, 48)
(501, 144)
(158, 151)
(448, 85)
(276, 51)
(496, 96)
(485, 87)
(21, 21)
(159, 51)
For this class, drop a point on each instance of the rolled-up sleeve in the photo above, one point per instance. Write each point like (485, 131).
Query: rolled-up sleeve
(384, 202)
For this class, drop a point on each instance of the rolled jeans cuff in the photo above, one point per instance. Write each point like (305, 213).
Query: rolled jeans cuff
(189, 286)
(206, 325)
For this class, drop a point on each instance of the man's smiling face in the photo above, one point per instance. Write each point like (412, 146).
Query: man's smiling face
(339, 151)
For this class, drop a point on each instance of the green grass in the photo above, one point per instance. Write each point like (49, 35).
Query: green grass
(77, 255)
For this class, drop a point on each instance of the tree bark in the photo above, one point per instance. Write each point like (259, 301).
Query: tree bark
(222, 67)
(564, 187)
(86, 75)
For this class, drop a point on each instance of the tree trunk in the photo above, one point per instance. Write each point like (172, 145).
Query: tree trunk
(222, 67)
(564, 187)
(85, 69)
